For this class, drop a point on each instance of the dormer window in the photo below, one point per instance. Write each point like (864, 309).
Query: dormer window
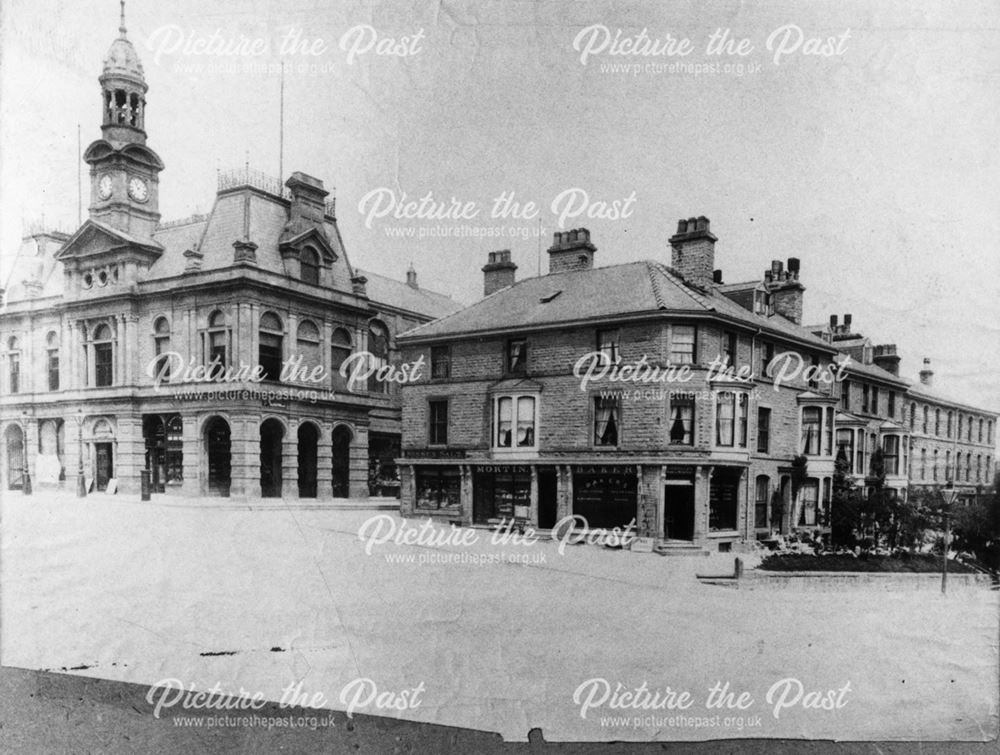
(309, 266)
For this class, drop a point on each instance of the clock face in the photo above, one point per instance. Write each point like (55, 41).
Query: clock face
(138, 190)
(104, 186)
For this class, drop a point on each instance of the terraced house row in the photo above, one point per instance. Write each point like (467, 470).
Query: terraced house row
(653, 392)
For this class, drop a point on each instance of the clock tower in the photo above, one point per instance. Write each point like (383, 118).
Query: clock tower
(124, 172)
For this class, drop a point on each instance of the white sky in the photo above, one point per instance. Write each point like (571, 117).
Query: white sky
(879, 168)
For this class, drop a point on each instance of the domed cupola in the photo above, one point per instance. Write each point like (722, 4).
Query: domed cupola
(123, 91)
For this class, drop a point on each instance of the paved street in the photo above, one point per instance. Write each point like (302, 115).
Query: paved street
(495, 637)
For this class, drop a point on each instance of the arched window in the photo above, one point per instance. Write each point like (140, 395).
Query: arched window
(161, 345)
(308, 345)
(937, 422)
(13, 365)
(378, 347)
(934, 465)
(271, 342)
(925, 420)
(309, 266)
(52, 360)
(980, 429)
(923, 463)
(913, 417)
(104, 372)
(950, 420)
(947, 466)
(217, 341)
(968, 467)
(979, 468)
(340, 349)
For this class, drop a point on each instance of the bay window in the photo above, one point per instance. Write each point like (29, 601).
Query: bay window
(515, 422)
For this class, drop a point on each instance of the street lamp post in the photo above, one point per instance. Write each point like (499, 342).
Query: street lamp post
(81, 484)
(25, 469)
(950, 495)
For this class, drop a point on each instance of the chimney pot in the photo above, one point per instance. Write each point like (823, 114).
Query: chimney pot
(693, 252)
(833, 323)
(717, 276)
(571, 250)
(793, 267)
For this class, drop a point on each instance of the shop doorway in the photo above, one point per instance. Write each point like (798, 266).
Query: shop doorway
(548, 498)
(678, 511)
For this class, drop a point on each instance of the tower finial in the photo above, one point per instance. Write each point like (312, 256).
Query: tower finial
(121, 25)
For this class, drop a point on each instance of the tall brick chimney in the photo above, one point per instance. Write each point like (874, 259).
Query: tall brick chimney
(498, 272)
(885, 356)
(411, 277)
(692, 251)
(927, 374)
(571, 250)
(786, 290)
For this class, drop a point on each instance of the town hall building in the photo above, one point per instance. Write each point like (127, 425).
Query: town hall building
(120, 342)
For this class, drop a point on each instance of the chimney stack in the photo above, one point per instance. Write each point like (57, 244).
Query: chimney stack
(785, 289)
(498, 272)
(885, 356)
(927, 374)
(692, 251)
(847, 323)
(411, 277)
(308, 196)
(571, 250)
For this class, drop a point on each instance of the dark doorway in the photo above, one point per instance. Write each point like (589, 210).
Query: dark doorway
(271, 435)
(154, 431)
(548, 498)
(342, 438)
(104, 465)
(678, 512)
(217, 440)
(15, 458)
(308, 436)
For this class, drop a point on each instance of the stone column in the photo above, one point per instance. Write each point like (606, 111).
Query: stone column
(358, 476)
(467, 493)
(533, 510)
(702, 480)
(245, 457)
(191, 440)
(130, 454)
(408, 488)
(290, 462)
(324, 462)
(564, 506)
(131, 348)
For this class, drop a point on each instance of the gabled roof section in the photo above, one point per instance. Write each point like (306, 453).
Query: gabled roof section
(95, 237)
(311, 234)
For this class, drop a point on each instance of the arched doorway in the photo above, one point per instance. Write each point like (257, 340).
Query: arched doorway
(272, 433)
(342, 438)
(218, 446)
(15, 457)
(308, 437)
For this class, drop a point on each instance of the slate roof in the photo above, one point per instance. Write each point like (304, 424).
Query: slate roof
(643, 287)
(928, 393)
(236, 214)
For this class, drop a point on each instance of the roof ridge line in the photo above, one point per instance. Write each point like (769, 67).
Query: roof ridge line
(698, 298)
